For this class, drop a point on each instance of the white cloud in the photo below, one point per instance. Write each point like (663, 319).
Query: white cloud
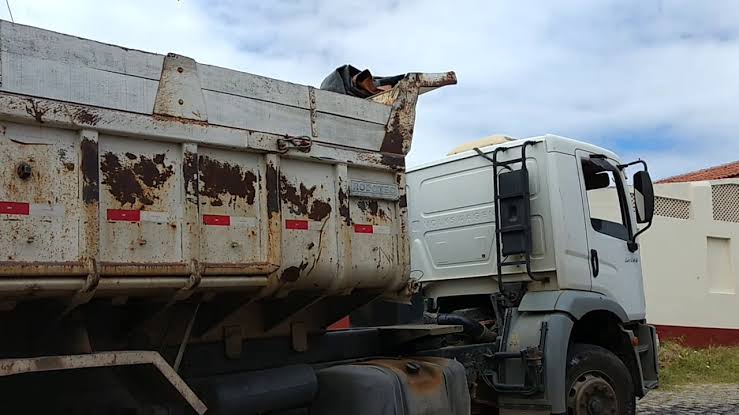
(650, 78)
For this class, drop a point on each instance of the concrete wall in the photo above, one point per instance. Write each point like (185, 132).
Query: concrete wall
(690, 260)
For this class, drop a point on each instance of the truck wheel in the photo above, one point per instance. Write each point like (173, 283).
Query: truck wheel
(598, 383)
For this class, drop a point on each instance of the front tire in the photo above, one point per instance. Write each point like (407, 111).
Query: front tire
(598, 383)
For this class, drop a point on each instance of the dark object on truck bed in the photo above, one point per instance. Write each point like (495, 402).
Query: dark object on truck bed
(349, 80)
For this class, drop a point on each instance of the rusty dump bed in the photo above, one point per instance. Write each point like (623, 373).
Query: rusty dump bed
(130, 174)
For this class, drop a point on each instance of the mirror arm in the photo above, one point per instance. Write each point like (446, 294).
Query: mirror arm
(642, 231)
(640, 161)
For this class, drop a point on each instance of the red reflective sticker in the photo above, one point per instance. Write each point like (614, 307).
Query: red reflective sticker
(296, 224)
(14, 208)
(217, 220)
(364, 229)
(120, 215)
(343, 324)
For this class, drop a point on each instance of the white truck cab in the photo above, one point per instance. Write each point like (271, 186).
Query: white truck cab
(556, 263)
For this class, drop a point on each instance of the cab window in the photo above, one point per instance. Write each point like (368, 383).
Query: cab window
(605, 202)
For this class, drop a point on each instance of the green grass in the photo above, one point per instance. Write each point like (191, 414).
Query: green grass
(681, 365)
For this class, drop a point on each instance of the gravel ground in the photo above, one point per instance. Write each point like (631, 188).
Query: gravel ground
(693, 399)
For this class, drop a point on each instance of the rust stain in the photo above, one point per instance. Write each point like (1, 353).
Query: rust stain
(344, 207)
(393, 161)
(12, 268)
(403, 202)
(292, 274)
(299, 200)
(49, 363)
(85, 116)
(135, 182)
(421, 376)
(35, 111)
(169, 118)
(320, 243)
(190, 176)
(372, 208)
(319, 210)
(393, 140)
(152, 172)
(273, 191)
(90, 171)
(221, 178)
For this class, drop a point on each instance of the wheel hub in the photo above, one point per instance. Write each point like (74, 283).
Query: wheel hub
(592, 395)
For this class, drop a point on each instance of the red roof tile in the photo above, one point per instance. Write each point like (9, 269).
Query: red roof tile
(724, 171)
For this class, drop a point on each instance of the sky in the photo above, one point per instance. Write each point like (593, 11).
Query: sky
(657, 80)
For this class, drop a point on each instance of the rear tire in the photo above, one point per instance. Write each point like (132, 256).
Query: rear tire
(598, 383)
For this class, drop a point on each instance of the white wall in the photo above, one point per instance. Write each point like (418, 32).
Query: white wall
(690, 255)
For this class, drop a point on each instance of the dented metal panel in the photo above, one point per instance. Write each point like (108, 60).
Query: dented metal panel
(131, 174)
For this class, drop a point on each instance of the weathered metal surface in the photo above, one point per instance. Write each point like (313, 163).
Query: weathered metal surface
(372, 190)
(28, 75)
(347, 106)
(29, 41)
(309, 224)
(168, 129)
(140, 204)
(229, 188)
(428, 385)
(403, 98)
(39, 219)
(180, 94)
(136, 193)
(10, 367)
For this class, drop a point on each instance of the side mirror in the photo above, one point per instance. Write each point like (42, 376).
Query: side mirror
(643, 197)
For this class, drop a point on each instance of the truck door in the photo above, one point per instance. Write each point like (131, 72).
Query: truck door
(615, 269)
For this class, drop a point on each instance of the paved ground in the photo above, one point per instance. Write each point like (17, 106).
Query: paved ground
(694, 399)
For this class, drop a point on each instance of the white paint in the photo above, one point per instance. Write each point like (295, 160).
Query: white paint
(451, 213)
(158, 217)
(243, 221)
(43, 209)
(381, 229)
(35, 76)
(618, 269)
(452, 229)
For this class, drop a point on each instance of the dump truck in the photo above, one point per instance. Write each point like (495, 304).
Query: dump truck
(179, 238)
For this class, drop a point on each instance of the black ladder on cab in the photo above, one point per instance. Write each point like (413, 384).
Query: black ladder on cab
(512, 202)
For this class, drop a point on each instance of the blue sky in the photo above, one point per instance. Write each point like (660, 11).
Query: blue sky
(652, 79)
